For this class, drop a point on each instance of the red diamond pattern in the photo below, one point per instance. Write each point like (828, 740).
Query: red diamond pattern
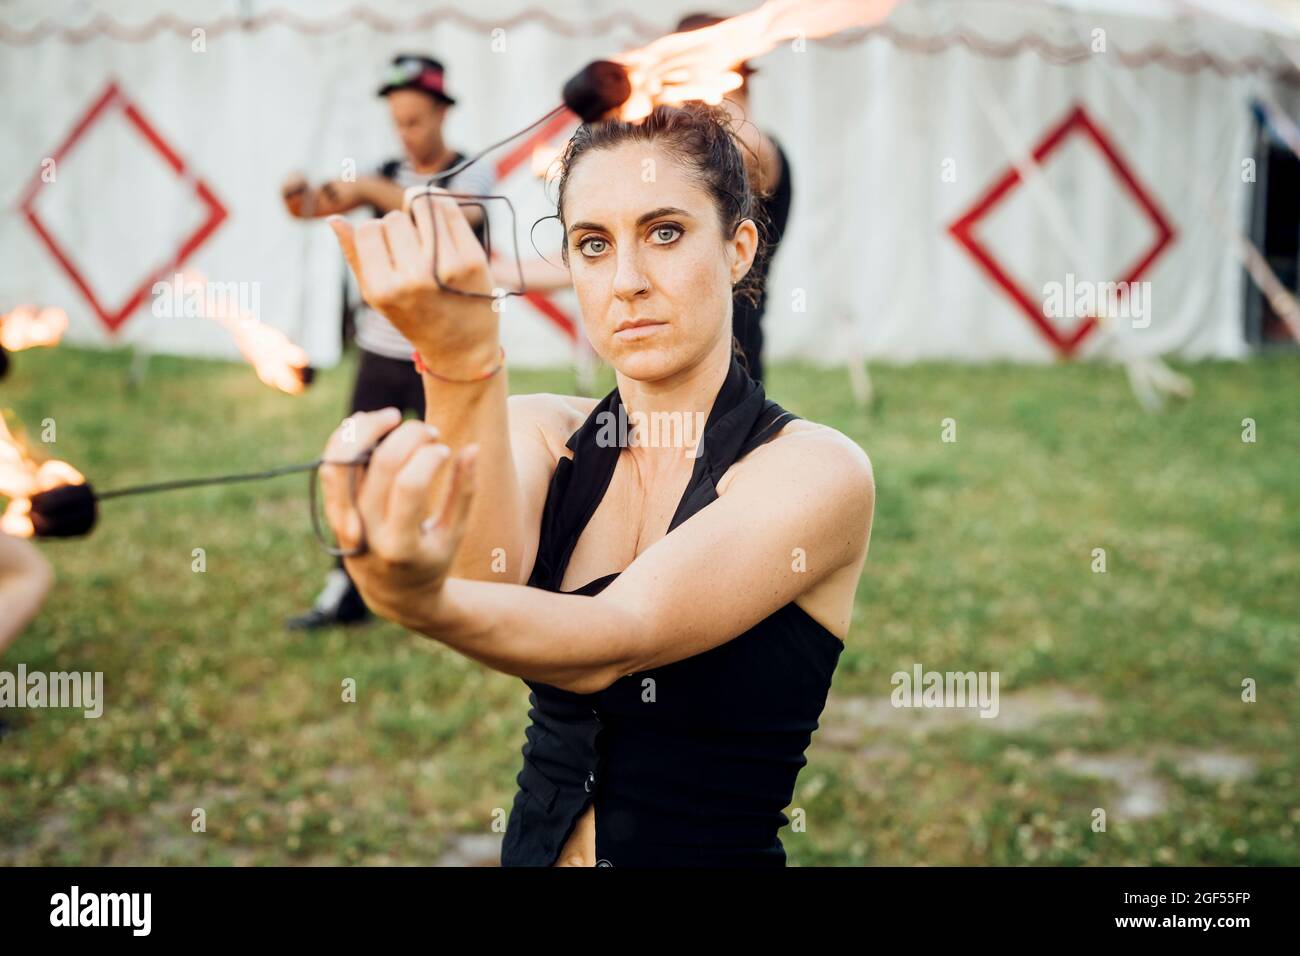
(1076, 122)
(110, 101)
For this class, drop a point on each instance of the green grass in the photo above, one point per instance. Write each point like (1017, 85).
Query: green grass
(980, 559)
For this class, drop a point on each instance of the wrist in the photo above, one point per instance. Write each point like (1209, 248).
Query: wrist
(474, 363)
(408, 602)
(432, 612)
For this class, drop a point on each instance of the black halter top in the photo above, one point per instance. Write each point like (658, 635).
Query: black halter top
(693, 763)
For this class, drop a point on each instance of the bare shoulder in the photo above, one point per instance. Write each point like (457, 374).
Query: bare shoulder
(806, 447)
(551, 417)
(827, 463)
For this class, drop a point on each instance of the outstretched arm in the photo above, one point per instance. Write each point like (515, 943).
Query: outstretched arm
(721, 559)
(458, 339)
(305, 201)
(339, 196)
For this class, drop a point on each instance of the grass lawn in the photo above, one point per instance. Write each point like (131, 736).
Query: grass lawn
(1120, 691)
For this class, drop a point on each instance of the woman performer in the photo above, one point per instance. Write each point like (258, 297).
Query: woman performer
(677, 608)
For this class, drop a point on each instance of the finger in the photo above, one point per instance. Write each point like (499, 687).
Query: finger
(337, 485)
(372, 251)
(408, 505)
(465, 238)
(462, 234)
(416, 194)
(465, 267)
(421, 202)
(359, 433)
(404, 245)
(339, 481)
(450, 526)
(347, 238)
(421, 206)
(387, 460)
(445, 257)
(460, 494)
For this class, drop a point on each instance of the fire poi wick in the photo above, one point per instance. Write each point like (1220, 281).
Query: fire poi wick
(597, 88)
(600, 86)
(69, 511)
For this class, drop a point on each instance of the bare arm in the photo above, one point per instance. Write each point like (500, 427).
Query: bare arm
(386, 196)
(741, 570)
(340, 196)
(25, 579)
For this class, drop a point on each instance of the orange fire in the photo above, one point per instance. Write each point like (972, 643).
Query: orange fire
(27, 327)
(277, 361)
(22, 476)
(701, 64)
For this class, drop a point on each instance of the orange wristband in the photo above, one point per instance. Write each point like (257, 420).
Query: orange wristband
(425, 370)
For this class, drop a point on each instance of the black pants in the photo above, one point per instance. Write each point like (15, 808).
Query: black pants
(383, 381)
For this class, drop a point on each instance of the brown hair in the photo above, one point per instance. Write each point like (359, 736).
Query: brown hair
(701, 138)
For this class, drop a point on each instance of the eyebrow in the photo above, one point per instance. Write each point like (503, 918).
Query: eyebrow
(641, 220)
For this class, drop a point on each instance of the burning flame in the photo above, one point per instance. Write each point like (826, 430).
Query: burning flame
(22, 476)
(27, 328)
(277, 361)
(701, 64)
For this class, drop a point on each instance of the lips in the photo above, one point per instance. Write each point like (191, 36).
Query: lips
(639, 329)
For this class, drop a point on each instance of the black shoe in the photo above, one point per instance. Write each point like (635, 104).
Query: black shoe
(332, 607)
(315, 619)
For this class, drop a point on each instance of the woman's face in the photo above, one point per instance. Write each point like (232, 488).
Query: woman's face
(650, 264)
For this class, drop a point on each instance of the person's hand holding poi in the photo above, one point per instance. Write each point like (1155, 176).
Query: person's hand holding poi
(457, 336)
(407, 542)
(407, 552)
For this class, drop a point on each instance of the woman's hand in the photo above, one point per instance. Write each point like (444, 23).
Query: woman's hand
(407, 552)
(393, 259)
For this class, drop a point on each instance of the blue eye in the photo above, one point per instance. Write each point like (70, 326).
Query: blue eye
(673, 230)
(585, 245)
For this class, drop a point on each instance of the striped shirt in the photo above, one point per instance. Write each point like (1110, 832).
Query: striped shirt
(374, 332)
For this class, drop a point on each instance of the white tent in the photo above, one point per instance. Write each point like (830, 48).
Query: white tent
(948, 167)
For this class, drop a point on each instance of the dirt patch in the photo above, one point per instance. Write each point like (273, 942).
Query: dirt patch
(848, 722)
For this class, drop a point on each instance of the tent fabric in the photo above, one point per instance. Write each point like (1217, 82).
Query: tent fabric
(897, 136)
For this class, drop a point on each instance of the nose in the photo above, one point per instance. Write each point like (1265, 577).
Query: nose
(630, 280)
